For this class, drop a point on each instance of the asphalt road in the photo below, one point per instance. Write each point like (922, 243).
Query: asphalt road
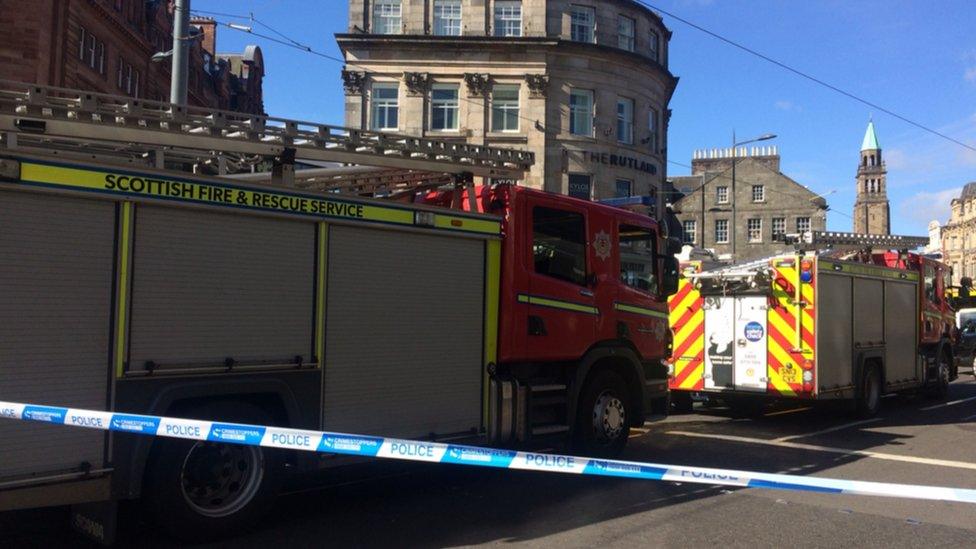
(914, 440)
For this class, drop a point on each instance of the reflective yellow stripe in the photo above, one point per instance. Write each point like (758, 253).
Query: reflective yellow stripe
(122, 287)
(694, 377)
(493, 270)
(158, 187)
(640, 310)
(555, 304)
(456, 223)
(323, 264)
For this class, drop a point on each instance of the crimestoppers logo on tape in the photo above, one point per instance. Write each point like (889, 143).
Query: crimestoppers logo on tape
(240, 434)
(46, 414)
(631, 470)
(478, 456)
(342, 444)
(135, 424)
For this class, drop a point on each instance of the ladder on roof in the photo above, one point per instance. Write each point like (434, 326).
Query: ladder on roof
(819, 240)
(128, 131)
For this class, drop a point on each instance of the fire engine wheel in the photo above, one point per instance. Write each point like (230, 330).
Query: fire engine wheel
(868, 400)
(204, 490)
(940, 385)
(601, 425)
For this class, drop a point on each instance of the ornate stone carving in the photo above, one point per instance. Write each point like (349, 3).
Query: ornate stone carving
(354, 82)
(538, 84)
(479, 84)
(417, 82)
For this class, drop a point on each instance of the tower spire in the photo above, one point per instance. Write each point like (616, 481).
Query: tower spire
(870, 142)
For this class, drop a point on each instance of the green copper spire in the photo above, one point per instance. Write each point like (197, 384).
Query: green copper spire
(870, 139)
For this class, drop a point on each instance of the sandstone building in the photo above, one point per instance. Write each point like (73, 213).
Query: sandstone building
(107, 45)
(743, 224)
(959, 235)
(872, 213)
(583, 84)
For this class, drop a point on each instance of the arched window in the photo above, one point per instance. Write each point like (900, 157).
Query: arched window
(872, 160)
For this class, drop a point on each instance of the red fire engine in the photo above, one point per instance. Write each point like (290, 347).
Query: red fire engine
(835, 320)
(149, 268)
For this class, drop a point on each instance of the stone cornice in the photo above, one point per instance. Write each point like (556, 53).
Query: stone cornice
(398, 42)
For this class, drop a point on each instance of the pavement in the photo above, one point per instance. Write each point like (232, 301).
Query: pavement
(914, 440)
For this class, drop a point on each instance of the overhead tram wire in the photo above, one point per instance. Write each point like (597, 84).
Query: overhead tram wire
(291, 43)
(297, 45)
(806, 76)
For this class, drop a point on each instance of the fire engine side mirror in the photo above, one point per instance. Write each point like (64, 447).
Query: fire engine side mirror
(672, 246)
(669, 278)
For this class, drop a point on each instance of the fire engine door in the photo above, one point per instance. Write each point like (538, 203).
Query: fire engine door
(719, 344)
(750, 343)
(735, 346)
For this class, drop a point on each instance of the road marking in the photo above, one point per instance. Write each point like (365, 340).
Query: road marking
(829, 430)
(831, 450)
(950, 403)
(967, 418)
(783, 412)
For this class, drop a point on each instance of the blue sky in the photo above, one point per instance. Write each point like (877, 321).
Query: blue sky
(913, 57)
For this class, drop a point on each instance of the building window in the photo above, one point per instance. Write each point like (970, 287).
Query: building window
(722, 194)
(779, 227)
(625, 33)
(581, 112)
(82, 40)
(582, 21)
(758, 193)
(387, 16)
(508, 18)
(754, 227)
(689, 231)
(385, 114)
(580, 186)
(505, 108)
(559, 244)
(625, 120)
(127, 78)
(652, 129)
(654, 46)
(91, 50)
(721, 231)
(802, 224)
(623, 188)
(447, 17)
(444, 107)
(638, 268)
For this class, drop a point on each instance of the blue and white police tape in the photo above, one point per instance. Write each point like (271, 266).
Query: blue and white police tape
(412, 450)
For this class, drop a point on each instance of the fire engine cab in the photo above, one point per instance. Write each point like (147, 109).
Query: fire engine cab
(841, 318)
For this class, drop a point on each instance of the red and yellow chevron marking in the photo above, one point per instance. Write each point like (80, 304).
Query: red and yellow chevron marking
(687, 320)
(788, 349)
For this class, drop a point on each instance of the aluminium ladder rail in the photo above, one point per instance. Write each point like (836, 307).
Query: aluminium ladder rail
(46, 116)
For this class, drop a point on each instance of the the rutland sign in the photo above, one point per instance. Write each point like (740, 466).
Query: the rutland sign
(623, 161)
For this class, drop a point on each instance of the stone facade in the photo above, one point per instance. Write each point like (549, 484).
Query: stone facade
(106, 46)
(959, 235)
(544, 63)
(764, 201)
(872, 212)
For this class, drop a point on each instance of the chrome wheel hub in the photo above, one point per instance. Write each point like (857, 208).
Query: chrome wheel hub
(218, 480)
(609, 417)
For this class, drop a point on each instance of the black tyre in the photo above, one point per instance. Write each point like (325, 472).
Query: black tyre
(681, 402)
(939, 389)
(868, 400)
(200, 490)
(602, 415)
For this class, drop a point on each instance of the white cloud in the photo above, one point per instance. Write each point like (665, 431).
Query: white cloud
(787, 105)
(969, 72)
(925, 206)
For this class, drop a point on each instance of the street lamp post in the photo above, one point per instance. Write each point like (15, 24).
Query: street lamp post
(735, 145)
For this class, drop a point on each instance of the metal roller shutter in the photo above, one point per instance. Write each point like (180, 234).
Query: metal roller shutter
(56, 258)
(207, 286)
(404, 328)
